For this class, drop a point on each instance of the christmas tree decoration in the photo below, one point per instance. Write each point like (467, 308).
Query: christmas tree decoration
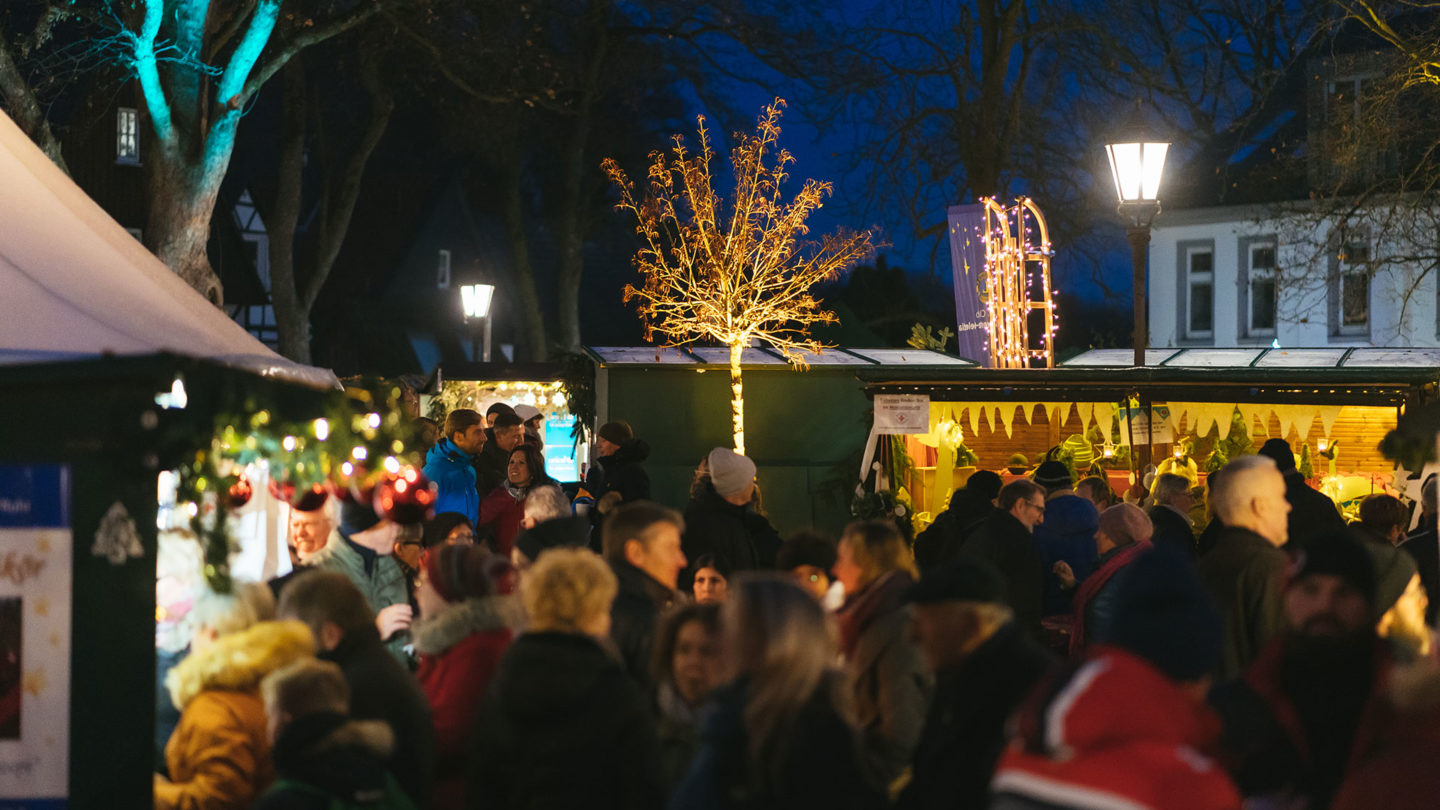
(239, 493)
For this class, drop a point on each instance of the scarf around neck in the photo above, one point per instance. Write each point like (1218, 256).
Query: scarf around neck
(884, 595)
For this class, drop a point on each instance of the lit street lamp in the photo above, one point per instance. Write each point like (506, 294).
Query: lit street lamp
(1137, 161)
(476, 298)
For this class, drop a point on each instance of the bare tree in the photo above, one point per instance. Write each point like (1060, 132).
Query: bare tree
(733, 273)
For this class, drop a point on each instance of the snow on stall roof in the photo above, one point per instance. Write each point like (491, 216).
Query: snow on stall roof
(833, 357)
(1302, 358)
(1390, 358)
(911, 357)
(720, 356)
(1213, 358)
(642, 354)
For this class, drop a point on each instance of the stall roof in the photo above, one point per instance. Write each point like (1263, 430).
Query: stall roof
(759, 358)
(1360, 376)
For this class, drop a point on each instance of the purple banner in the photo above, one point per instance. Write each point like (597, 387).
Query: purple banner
(967, 258)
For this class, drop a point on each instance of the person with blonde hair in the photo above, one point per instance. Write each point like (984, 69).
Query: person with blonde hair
(562, 724)
(322, 757)
(889, 684)
(219, 755)
(778, 733)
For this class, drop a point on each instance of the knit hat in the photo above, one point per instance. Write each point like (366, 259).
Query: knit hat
(357, 516)
(498, 407)
(438, 528)
(985, 483)
(1279, 450)
(616, 432)
(1393, 571)
(730, 472)
(462, 572)
(1053, 475)
(959, 580)
(1337, 553)
(1164, 615)
(527, 412)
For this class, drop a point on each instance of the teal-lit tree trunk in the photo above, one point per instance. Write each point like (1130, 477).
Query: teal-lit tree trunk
(214, 62)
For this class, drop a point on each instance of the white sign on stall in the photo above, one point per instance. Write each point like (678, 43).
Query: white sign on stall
(1159, 427)
(902, 413)
(35, 579)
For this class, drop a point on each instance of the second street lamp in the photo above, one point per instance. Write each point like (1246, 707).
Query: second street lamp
(476, 300)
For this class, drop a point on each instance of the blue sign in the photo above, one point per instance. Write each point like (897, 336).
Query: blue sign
(34, 496)
(967, 260)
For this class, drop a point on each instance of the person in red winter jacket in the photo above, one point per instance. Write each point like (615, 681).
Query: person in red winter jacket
(469, 613)
(503, 510)
(1126, 727)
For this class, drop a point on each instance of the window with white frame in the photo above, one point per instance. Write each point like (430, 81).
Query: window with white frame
(442, 270)
(1200, 292)
(127, 136)
(1353, 289)
(1263, 288)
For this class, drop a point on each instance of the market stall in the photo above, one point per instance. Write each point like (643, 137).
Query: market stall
(1206, 405)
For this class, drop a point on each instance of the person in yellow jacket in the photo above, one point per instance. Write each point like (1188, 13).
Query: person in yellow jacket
(219, 754)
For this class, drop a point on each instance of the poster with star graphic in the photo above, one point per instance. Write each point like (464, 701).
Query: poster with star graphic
(35, 590)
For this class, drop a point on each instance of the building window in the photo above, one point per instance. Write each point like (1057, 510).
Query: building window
(442, 270)
(127, 137)
(1352, 282)
(1262, 283)
(1199, 292)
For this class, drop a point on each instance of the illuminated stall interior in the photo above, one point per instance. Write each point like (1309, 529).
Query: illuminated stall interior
(539, 386)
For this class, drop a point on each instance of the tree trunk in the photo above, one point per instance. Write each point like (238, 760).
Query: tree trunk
(22, 105)
(524, 275)
(737, 398)
(292, 317)
(181, 205)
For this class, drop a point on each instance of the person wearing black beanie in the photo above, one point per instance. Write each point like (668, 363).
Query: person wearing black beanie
(1312, 513)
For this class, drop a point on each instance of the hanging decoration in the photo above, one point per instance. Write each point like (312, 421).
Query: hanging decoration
(362, 439)
(1017, 284)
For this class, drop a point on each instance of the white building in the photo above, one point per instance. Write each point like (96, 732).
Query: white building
(1287, 274)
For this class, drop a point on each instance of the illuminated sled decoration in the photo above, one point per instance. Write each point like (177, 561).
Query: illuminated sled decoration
(1016, 283)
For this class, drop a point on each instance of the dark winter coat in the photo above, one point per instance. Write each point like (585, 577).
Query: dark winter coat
(633, 619)
(1172, 530)
(491, 467)
(382, 689)
(324, 758)
(819, 767)
(1003, 541)
(1245, 573)
(563, 726)
(941, 540)
(737, 533)
(621, 472)
(1113, 733)
(564, 532)
(460, 649)
(1291, 730)
(1423, 545)
(1067, 533)
(1312, 513)
(965, 728)
(453, 472)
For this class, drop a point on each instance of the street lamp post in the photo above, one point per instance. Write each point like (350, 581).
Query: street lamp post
(476, 299)
(1137, 163)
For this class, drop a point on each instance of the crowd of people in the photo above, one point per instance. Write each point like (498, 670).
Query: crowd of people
(1043, 644)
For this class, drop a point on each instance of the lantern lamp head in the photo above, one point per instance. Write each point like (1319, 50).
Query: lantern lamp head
(476, 299)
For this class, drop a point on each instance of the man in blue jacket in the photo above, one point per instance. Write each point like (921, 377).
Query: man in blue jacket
(449, 465)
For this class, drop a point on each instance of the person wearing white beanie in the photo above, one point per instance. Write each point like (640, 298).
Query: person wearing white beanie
(722, 517)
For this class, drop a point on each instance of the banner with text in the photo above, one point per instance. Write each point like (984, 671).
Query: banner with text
(967, 260)
(35, 591)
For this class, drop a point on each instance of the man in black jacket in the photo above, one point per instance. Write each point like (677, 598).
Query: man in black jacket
(507, 434)
(380, 688)
(642, 545)
(619, 457)
(1312, 513)
(1004, 540)
(968, 508)
(984, 667)
(1170, 514)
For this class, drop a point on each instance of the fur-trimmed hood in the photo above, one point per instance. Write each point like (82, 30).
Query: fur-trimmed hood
(238, 661)
(450, 626)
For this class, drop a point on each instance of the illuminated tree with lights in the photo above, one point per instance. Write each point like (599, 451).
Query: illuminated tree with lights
(735, 273)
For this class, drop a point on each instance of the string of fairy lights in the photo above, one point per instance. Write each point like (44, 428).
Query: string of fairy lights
(1016, 283)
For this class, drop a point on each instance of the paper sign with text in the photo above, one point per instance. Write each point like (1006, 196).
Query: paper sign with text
(902, 413)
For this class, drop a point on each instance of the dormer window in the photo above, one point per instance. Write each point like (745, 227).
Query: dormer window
(442, 270)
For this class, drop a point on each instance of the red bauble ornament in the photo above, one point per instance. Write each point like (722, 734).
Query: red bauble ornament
(281, 490)
(406, 498)
(239, 493)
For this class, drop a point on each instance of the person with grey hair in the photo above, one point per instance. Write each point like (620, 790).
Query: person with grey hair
(1124, 534)
(1171, 502)
(1245, 572)
(1423, 545)
(549, 523)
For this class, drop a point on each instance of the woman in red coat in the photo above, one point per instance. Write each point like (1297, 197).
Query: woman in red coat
(469, 613)
(504, 508)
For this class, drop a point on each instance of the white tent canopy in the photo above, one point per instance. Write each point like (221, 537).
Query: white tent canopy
(75, 285)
